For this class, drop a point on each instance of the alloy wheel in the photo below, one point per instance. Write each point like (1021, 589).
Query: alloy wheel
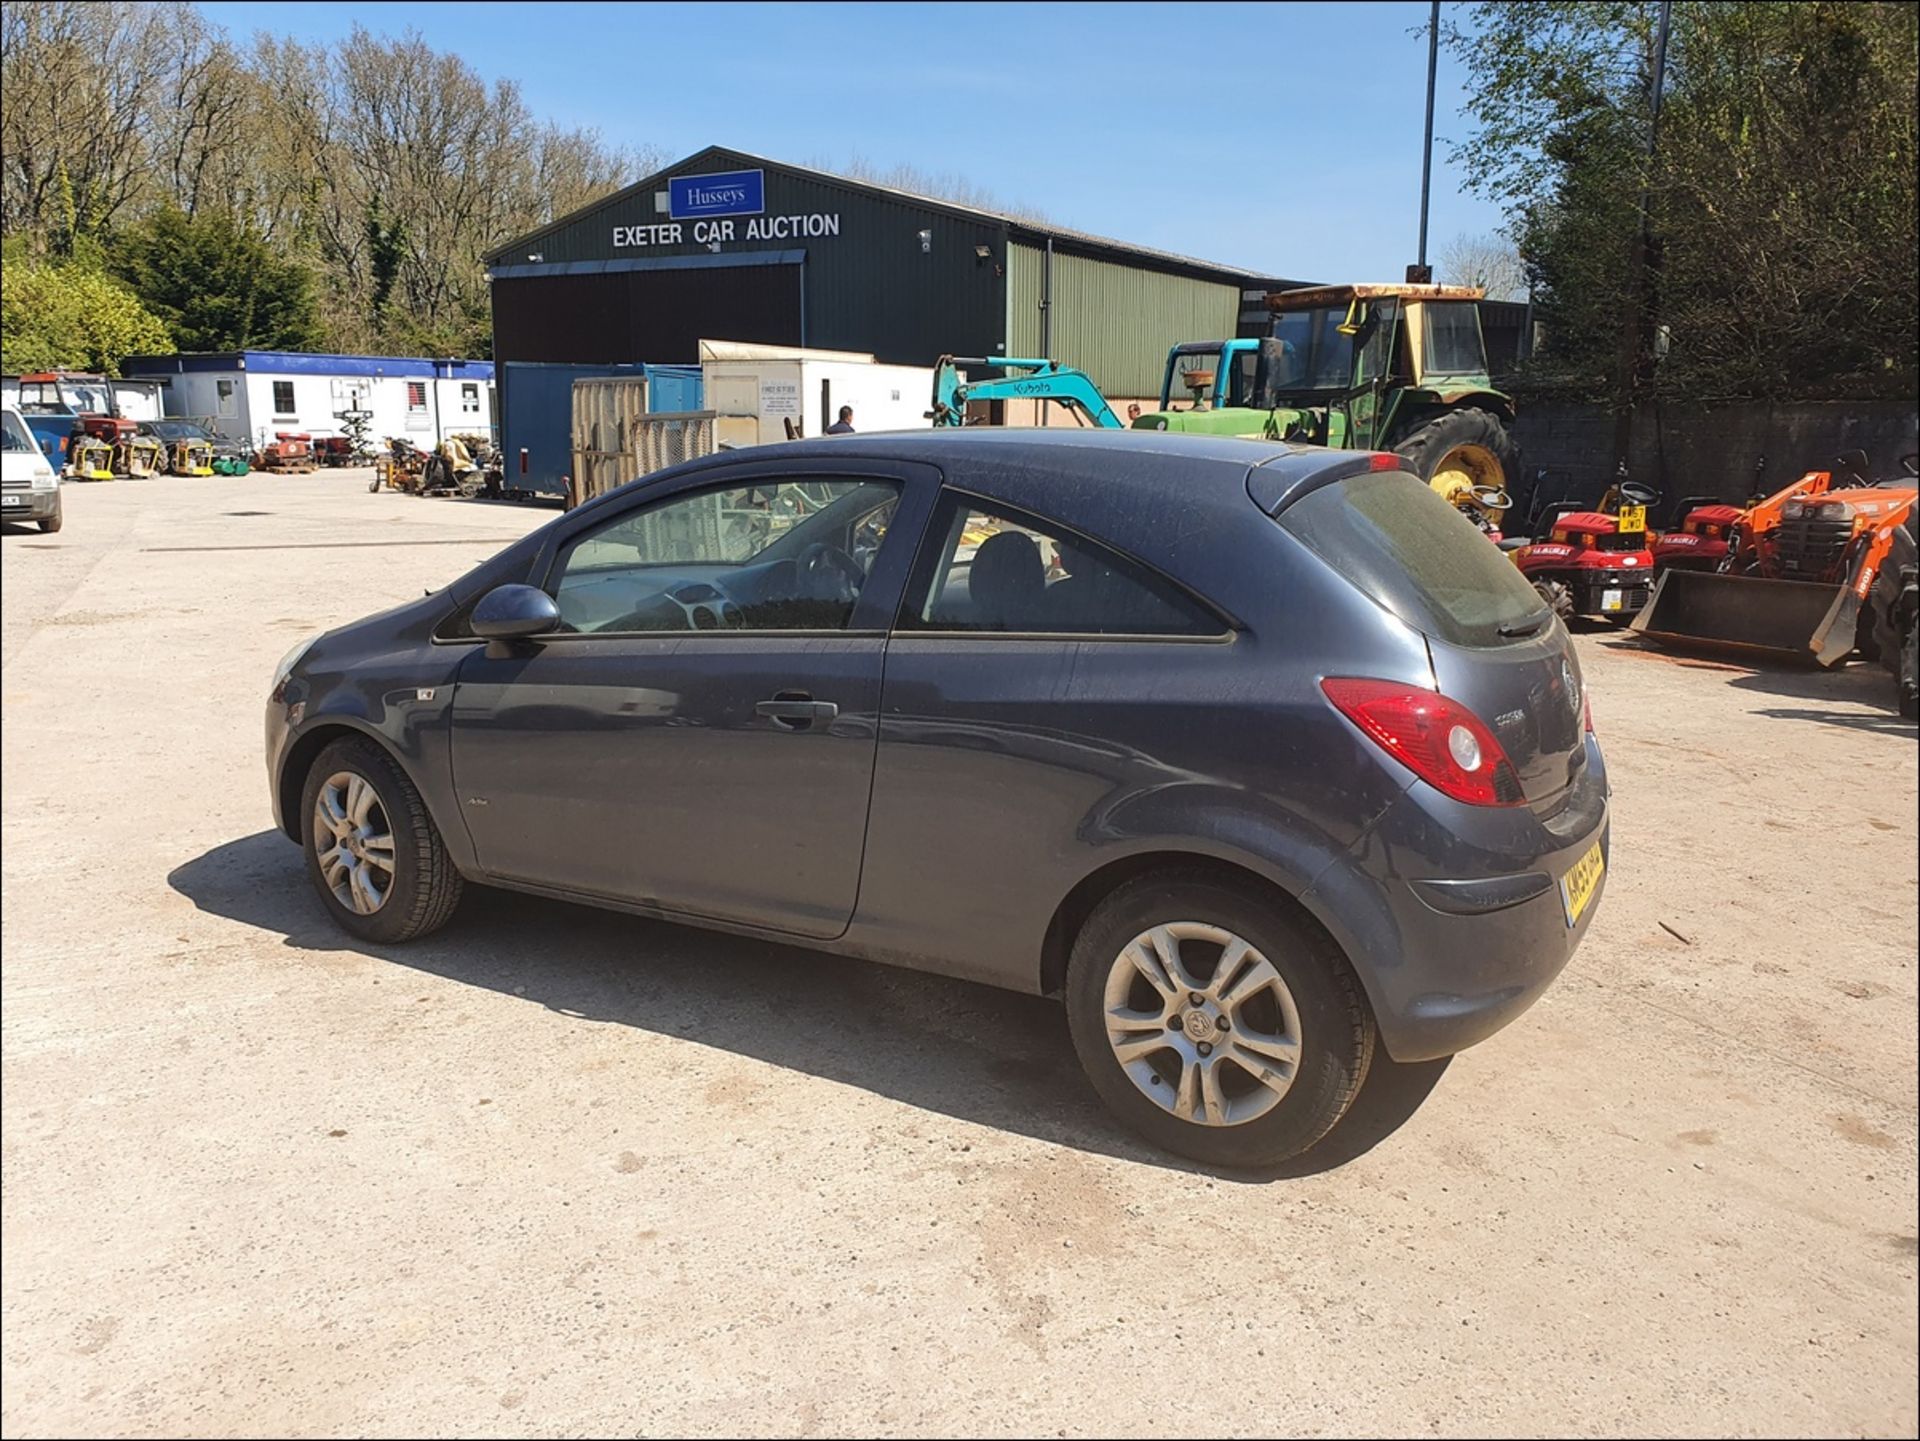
(1202, 1023)
(353, 842)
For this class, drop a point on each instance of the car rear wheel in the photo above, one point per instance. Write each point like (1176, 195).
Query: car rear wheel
(1213, 1023)
(373, 853)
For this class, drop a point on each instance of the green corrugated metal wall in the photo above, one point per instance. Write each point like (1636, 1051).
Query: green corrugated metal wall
(1112, 321)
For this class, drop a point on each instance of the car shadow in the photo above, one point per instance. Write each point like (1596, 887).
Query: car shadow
(973, 1052)
(1859, 682)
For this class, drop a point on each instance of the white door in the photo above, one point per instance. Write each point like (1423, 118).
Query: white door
(736, 398)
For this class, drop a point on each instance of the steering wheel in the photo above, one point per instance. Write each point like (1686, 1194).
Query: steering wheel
(829, 573)
(1633, 493)
(1489, 497)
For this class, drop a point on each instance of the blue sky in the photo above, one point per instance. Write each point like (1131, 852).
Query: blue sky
(1284, 138)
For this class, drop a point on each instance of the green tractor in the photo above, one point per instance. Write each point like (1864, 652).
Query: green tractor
(1360, 367)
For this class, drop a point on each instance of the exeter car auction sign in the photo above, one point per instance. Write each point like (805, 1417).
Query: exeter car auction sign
(711, 203)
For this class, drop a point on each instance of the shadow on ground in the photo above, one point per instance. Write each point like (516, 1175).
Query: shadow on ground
(968, 1051)
(1829, 694)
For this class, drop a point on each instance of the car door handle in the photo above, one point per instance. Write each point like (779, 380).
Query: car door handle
(796, 710)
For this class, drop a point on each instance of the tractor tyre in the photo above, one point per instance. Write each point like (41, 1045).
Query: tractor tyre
(1909, 672)
(1468, 444)
(1557, 595)
(1906, 673)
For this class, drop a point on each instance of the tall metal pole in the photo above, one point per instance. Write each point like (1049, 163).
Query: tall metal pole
(1636, 334)
(1659, 81)
(1426, 155)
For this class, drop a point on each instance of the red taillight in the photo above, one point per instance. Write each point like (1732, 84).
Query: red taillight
(1586, 710)
(1385, 461)
(1439, 740)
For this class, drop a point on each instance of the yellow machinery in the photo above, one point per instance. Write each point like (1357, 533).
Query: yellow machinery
(191, 457)
(89, 458)
(138, 457)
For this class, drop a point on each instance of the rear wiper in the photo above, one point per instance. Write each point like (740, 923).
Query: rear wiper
(1515, 629)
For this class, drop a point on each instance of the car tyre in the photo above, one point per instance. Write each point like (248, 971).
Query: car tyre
(422, 885)
(1335, 1040)
(51, 524)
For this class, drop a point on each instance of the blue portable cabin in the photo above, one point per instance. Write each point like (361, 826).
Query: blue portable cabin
(536, 413)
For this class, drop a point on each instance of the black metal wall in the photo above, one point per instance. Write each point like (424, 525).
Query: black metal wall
(656, 315)
(876, 285)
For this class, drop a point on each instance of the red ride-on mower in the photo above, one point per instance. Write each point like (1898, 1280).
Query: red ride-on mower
(1593, 562)
(1703, 538)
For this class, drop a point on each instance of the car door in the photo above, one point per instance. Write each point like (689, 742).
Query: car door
(1037, 681)
(701, 738)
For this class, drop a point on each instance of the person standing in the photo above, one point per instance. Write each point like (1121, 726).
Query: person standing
(844, 425)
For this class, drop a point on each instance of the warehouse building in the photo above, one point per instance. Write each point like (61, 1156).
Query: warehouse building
(249, 395)
(729, 246)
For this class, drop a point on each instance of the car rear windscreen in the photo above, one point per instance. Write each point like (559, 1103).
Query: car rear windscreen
(1399, 542)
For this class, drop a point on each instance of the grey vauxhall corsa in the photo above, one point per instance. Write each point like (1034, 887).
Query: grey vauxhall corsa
(1253, 754)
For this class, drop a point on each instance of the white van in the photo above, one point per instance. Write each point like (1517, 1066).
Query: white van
(29, 490)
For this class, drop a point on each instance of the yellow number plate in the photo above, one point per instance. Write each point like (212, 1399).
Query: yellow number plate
(1580, 882)
(1632, 518)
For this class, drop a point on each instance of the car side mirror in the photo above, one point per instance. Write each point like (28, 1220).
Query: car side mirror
(515, 612)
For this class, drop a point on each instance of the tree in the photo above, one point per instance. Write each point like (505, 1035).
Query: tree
(1781, 198)
(75, 128)
(216, 285)
(1487, 261)
(69, 317)
(378, 167)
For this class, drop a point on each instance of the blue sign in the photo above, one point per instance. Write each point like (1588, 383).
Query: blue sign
(737, 192)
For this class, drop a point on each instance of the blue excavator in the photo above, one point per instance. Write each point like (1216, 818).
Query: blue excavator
(1024, 380)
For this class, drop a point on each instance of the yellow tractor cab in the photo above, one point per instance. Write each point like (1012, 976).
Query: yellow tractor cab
(1360, 367)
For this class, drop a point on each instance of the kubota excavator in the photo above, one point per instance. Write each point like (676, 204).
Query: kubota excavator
(1025, 380)
(1799, 566)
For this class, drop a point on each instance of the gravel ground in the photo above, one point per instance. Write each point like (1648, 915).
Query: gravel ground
(557, 1172)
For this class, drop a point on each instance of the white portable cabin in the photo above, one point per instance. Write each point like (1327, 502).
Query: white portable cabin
(756, 390)
(250, 395)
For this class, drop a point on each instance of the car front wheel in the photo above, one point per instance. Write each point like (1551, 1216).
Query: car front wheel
(374, 854)
(1214, 1023)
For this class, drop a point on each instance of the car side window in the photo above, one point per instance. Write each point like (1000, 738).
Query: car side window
(995, 570)
(767, 556)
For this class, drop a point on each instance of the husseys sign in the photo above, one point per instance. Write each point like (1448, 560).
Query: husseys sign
(734, 192)
(710, 209)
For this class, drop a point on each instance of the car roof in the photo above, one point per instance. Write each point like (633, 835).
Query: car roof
(1167, 497)
(1023, 464)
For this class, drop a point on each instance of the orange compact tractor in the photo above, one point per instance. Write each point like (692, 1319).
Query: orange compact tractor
(1796, 570)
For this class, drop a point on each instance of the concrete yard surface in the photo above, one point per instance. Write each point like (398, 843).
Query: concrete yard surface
(555, 1171)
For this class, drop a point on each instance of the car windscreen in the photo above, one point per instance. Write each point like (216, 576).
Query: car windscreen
(1400, 543)
(18, 438)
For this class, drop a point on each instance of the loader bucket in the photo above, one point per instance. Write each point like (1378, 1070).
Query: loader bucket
(1789, 619)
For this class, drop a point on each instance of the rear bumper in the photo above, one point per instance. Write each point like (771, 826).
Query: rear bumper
(1453, 914)
(29, 504)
